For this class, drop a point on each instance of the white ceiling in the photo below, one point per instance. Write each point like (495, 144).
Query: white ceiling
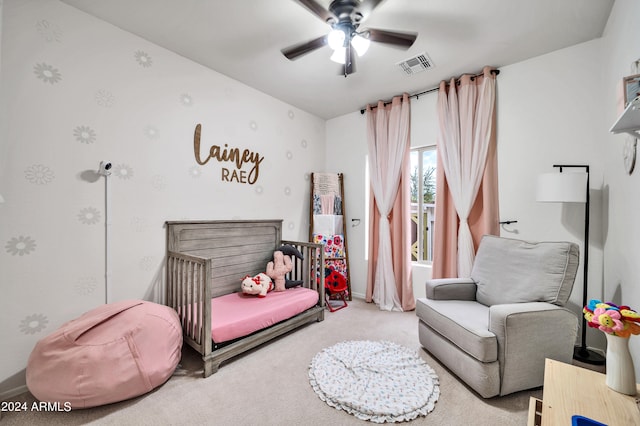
(243, 38)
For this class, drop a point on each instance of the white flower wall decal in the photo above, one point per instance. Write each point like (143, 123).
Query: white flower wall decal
(303, 143)
(104, 98)
(253, 125)
(186, 99)
(159, 182)
(195, 172)
(151, 132)
(291, 114)
(230, 93)
(123, 171)
(287, 191)
(47, 73)
(143, 58)
(39, 174)
(20, 246)
(85, 286)
(146, 263)
(84, 134)
(139, 223)
(48, 30)
(33, 324)
(89, 216)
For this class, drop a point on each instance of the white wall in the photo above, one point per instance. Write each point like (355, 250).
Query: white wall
(621, 192)
(346, 150)
(137, 116)
(546, 117)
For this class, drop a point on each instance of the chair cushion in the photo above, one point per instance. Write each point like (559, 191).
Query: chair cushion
(513, 271)
(464, 323)
(109, 354)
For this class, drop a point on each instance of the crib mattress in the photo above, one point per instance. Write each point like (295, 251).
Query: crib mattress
(236, 315)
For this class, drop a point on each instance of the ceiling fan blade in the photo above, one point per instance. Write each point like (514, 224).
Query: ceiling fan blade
(294, 52)
(318, 10)
(404, 40)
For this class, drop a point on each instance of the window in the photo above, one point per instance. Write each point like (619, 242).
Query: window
(423, 198)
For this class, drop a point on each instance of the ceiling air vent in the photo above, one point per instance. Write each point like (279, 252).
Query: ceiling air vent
(416, 64)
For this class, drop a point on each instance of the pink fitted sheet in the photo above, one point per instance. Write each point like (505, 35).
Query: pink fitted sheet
(237, 314)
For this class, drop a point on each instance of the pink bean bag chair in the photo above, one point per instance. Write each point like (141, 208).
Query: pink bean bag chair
(109, 354)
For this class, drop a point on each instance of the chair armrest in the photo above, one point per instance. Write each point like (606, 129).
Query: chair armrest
(541, 312)
(451, 289)
(528, 333)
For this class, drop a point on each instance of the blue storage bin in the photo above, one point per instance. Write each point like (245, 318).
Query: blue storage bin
(584, 421)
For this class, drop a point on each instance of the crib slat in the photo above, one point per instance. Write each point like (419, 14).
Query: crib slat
(184, 284)
(205, 312)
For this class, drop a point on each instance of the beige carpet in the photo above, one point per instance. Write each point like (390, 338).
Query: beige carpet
(270, 385)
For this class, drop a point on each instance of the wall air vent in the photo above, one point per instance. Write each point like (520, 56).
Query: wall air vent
(416, 64)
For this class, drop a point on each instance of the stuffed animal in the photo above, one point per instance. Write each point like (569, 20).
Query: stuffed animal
(335, 289)
(258, 285)
(281, 265)
(335, 282)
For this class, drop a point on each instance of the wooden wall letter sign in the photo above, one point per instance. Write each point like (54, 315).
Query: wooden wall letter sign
(231, 155)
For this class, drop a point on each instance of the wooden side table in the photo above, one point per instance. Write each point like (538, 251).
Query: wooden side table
(570, 390)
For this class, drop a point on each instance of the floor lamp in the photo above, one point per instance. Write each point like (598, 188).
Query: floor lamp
(573, 188)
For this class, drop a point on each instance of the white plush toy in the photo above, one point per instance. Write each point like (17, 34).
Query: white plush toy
(258, 285)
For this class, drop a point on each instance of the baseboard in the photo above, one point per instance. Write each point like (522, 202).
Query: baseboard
(10, 393)
(358, 295)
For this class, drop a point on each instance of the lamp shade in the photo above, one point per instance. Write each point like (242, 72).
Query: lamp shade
(567, 187)
(338, 55)
(336, 39)
(361, 44)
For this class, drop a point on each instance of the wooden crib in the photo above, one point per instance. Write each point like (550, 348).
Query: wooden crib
(207, 259)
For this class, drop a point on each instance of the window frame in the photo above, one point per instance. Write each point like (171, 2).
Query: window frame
(420, 206)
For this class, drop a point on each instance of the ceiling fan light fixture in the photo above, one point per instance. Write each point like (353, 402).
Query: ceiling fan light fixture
(335, 39)
(339, 55)
(344, 17)
(360, 44)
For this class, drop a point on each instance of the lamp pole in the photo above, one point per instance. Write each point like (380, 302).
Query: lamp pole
(582, 353)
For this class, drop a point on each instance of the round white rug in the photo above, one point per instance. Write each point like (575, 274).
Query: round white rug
(377, 381)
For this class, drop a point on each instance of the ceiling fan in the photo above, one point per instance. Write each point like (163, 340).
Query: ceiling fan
(344, 17)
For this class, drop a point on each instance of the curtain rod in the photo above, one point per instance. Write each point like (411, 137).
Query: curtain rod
(434, 89)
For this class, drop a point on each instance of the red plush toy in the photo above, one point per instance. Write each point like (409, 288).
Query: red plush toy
(335, 285)
(335, 282)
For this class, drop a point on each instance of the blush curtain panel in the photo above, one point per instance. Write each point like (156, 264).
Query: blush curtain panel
(389, 282)
(467, 184)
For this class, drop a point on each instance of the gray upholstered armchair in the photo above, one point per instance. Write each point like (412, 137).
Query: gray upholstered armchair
(495, 329)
